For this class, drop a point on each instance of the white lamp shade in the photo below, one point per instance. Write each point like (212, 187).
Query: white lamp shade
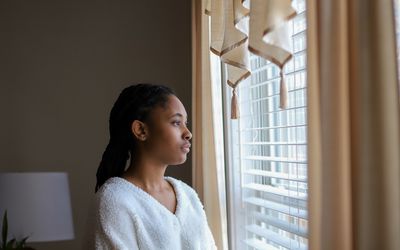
(38, 205)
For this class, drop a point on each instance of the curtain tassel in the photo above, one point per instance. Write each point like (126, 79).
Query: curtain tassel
(283, 92)
(234, 105)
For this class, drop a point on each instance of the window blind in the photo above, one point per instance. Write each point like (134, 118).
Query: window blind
(270, 152)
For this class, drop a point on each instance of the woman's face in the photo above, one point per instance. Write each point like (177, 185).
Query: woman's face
(168, 137)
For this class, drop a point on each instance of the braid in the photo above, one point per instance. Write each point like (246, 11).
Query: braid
(134, 103)
(112, 164)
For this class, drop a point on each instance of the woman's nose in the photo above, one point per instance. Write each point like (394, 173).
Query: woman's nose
(187, 135)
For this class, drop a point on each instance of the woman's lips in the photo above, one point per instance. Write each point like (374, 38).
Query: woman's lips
(186, 147)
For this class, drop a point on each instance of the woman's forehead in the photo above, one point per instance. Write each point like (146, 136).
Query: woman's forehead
(173, 107)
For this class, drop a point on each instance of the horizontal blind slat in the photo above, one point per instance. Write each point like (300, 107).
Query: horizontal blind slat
(273, 159)
(258, 244)
(273, 127)
(255, 100)
(278, 143)
(282, 208)
(277, 191)
(277, 175)
(278, 239)
(285, 226)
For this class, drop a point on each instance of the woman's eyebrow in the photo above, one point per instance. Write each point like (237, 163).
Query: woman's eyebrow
(177, 114)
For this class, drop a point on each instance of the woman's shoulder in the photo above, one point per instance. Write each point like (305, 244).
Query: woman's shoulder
(114, 192)
(110, 186)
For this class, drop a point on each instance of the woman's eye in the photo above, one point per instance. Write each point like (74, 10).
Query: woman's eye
(179, 123)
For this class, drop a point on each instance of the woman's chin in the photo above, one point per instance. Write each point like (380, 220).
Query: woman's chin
(180, 160)
(183, 160)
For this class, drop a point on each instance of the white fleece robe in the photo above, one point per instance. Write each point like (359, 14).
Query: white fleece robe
(127, 217)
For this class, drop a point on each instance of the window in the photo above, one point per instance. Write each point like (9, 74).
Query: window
(396, 5)
(267, 153)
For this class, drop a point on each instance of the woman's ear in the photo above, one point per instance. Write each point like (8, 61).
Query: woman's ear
(139, 130)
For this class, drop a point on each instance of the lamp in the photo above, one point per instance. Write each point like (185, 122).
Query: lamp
(38, 205)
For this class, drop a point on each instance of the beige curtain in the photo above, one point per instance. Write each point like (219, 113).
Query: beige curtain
(208, 180)
(354, 131)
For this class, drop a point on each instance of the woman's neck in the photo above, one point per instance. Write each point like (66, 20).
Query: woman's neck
(146, 174)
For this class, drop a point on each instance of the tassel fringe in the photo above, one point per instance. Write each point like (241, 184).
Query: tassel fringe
(283, 92)
(234, 105)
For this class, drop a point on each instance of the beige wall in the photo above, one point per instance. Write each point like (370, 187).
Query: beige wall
(62, 65)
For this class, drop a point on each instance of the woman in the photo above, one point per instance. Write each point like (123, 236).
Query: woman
(137, 207)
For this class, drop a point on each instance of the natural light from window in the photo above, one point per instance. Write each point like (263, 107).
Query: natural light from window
(397, 25)
(267, 159)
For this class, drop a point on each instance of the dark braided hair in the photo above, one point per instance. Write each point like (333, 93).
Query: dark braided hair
(134, 103)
